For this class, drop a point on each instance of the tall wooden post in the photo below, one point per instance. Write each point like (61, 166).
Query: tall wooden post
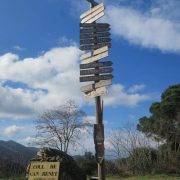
(95, 38)
(99, 122)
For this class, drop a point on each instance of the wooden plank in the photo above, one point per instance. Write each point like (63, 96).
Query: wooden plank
(96, 58)
(95, 55)
(96, 71)
(94, 16)
(99, 40)
(100, 45)
(95, 65)
(94, 47)
(102, 91)
(95, 78)
(104, 25)
(100, 50)
(98, 35)
(91, 10)
(91, 87)
(93, 30)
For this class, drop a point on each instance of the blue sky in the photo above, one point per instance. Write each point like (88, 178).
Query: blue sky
(39, 59)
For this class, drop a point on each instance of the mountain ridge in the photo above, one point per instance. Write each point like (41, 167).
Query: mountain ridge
(15, 152)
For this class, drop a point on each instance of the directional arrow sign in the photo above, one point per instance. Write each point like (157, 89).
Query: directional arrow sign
(96, 71)
(91, 87)
(92, 35)
(93, 14)
(95, 78)
(87, 25)
(92, 30)
(99, 40)
(94, 47)
(95, 55)
(102, 91)
(95, 65)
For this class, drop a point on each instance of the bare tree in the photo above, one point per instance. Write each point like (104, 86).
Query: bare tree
(124, 140)
(60, 127)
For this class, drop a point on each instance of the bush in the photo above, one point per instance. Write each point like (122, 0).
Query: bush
(87, 163)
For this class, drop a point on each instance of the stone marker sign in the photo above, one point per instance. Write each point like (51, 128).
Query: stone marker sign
(44, 171)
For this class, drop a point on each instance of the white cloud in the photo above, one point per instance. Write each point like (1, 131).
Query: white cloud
(118, 96)
(146, 29)
(51, 79)
(12, 130)
(136, 88)
(18, 48)
(90, 119)
(64, 41)
(46, 82)
(28, 141)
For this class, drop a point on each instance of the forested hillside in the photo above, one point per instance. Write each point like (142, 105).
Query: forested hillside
(14, 158)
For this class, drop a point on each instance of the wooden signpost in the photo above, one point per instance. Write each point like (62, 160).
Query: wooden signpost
(97, 29)
(94, 53)
(102, 91)
(96, 78)
(98, 40)
(96, 65)
(44, 171)
(86, 47)
(96, 57)
(93, 14)
(95, 41)
(96, 71)
(92, 87)
(92, 25)
(93, 35)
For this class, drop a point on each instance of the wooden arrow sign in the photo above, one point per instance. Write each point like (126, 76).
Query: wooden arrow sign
(99, 40)
(92, 35)
(94, 47)
(102, 91)
(96, 71)
(95, 65)
(91, 87)
(93, 30)
(95, 78)
(95, 55)
(93, 14)
(88, 25)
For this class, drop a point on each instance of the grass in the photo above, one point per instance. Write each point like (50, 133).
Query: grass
(18, 178)
(148, 177)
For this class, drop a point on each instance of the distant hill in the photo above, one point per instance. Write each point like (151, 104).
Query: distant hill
(15, 152)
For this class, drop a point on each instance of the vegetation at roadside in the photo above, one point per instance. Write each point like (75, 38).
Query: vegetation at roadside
(148, 177)
(135, 155)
